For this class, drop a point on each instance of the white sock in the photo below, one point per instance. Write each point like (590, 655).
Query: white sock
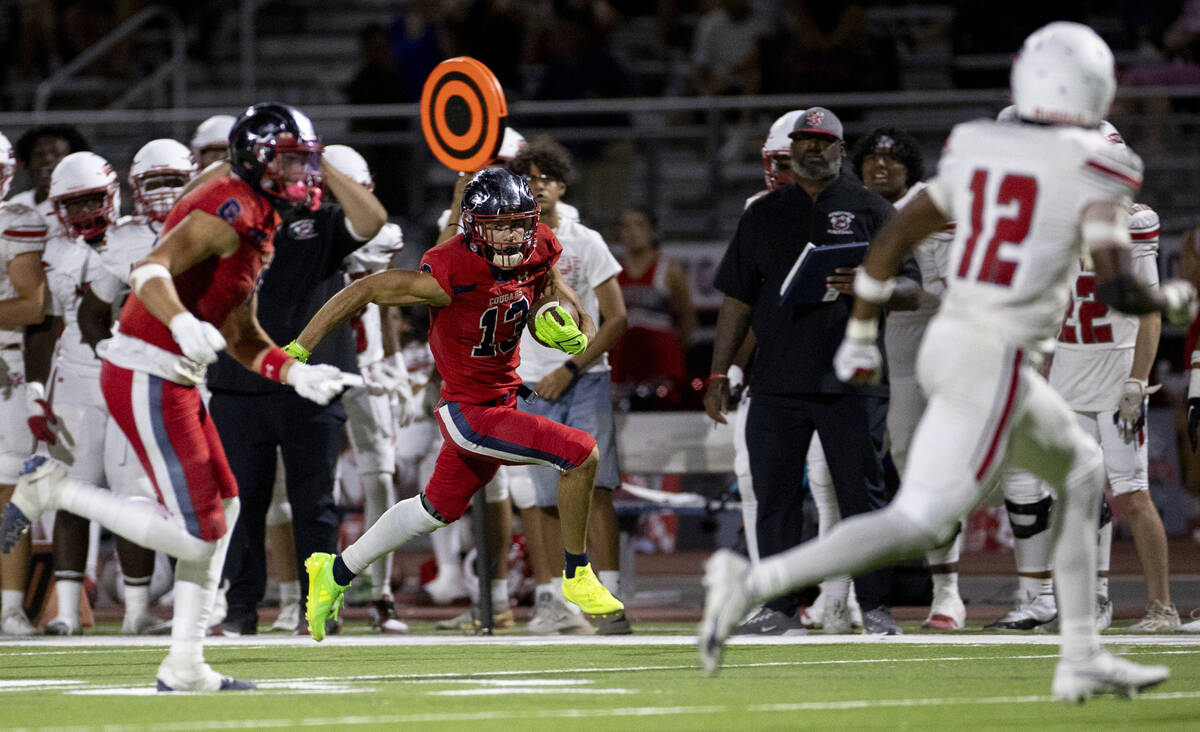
(556, 585)
(196, 585)
(447, 550)
(137, 597)
(835, 589)
(1046, 586)
(400, 524)
(499, 595)
(144, 522)
(611, 579)
(1103, 557)
(542, 590)
(945, 583)
(11, 602)
(1074, 519)
(68, 599)
(289, 592)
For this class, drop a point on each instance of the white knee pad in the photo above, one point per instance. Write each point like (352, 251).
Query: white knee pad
(520, 487)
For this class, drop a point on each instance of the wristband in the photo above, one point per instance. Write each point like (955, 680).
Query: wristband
(862, 330)
(571, 366)
(871, 289)
(298, 351)
(718, 376)
(143, 274)
(272, 364)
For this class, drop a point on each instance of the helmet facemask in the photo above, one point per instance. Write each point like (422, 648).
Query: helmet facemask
(86, 214)
(506, 239)
(291, 169)
(777, 169)
(155, 193)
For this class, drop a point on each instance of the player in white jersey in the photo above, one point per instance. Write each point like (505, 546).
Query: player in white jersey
(1030, 200)
(1101, 368)
(22, 294)
(84, 290)
(369, 408)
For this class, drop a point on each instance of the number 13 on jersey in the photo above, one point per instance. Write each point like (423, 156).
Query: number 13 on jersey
(1015, 197)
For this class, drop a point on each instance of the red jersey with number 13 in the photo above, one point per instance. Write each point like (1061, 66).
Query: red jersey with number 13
(476, 338)
(213, 287)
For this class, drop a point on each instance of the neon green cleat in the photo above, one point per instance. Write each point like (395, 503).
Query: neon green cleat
(325, 597)
(586, 591)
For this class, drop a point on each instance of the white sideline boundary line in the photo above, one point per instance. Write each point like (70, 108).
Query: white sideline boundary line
(263, 641)
(647, 711)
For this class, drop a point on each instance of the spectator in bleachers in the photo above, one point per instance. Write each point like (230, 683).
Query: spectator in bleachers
(379, 82)
(418, 43)
(658, 301)
(726, 49)
(490, 30)
(1174, 65)
(828, 47)
(574, 47)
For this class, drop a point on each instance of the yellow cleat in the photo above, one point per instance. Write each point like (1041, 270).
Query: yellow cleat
(325, 596)
(586, 591)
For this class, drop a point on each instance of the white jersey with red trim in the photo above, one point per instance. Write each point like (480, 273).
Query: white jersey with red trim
(1017, 193)
(933, 257)
(45, 209)
(73, 268)
(22, 231)
(126, 244)
(374, 256)
(1094, 353)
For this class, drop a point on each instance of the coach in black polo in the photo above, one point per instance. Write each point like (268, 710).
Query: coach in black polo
(256, 416)
(792, 378)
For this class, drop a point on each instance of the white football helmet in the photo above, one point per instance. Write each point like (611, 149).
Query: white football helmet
(1008, 114)
(212, 132)
(509, 146)
(1064, 73)
(160, 170)
(347, 160)
(83, 174)
(777, 151)
(8, 165)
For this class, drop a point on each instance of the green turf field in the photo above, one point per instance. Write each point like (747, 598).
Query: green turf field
(646, 682)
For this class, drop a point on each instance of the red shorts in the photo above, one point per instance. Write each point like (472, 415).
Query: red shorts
(175, 440)
(479, 439)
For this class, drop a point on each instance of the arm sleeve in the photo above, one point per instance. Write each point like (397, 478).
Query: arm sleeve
(738, 275)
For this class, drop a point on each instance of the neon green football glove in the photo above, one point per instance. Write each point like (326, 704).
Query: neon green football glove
(297, 351)
(557, 328)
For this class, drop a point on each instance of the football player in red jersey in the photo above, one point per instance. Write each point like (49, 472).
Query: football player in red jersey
(480, 285)
(193, 296)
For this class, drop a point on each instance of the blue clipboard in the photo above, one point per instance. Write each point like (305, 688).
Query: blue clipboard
(805, 283)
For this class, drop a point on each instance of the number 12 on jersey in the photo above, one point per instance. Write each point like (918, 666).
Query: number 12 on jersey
(1018, 194)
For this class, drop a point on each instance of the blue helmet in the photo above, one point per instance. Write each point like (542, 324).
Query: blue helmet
(500, 217)
(275, 149)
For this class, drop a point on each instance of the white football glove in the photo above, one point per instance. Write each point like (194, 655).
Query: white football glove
(199, 341)
(319, 382)
(858, 359)
(1130, 416)
(1181, 301)
(384, 378)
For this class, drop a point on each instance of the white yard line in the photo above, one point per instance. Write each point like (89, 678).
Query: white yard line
(255, 642)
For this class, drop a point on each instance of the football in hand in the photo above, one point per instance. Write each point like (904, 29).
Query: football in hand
(546, 304)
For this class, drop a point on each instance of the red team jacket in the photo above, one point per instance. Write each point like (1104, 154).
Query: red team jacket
(476, 338)
(212, 288)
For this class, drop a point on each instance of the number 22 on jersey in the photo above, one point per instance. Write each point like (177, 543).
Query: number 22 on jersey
(1016, 196)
